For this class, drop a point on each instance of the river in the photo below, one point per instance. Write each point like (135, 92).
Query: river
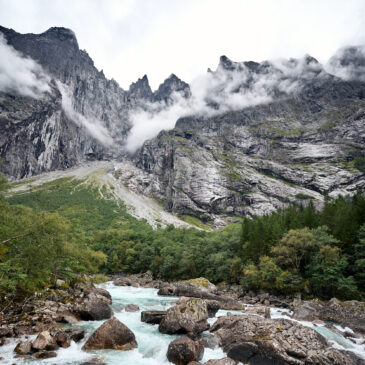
(152, 345)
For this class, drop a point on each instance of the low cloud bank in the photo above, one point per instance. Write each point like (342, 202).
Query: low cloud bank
(232, 86)
(93, 126)
(19, 74)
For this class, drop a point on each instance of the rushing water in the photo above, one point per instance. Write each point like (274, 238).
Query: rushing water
(152, 345)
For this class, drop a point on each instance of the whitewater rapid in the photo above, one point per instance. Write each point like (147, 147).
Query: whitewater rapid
(152, 345)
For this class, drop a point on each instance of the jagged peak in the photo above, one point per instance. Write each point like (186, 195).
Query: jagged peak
(141, 88)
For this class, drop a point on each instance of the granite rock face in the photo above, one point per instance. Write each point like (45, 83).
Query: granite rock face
(254, 160)
(296, 139)
(36, 135)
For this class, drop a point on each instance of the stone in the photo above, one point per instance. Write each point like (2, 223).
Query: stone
(95, 310)
(190, 317)
(75, 334)
(23, 348)
(45, 354)
(184, 350)
(113, 335)
(257, 340)
(60, 283)
(152, 317)
(131, 308)
(44, 341)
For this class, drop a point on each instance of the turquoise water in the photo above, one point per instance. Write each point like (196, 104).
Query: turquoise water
(152, 345)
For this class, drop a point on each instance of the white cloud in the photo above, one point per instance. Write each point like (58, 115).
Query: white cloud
(130, 38)
(92, 125)
(19, 74)
(222, 91)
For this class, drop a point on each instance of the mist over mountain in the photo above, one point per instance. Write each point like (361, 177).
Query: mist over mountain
(244, 139)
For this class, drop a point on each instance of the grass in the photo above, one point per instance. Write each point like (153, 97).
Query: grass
(80, 203)
(195, 222)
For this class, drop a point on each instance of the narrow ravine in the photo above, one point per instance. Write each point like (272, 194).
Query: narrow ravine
(152, 345)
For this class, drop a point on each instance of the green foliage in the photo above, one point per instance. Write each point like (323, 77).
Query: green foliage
(359, 163)
(301, 241)
(69, 223)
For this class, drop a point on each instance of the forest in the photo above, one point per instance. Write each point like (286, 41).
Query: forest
(65, 229)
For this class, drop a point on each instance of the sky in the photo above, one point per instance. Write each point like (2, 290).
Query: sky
(130, 38)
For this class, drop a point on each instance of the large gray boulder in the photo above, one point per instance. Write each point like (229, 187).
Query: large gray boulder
(348, 314)
(152, 317)
(256, 340)
(189, 317)
(113, 335)
(94, 310)
(184, 350)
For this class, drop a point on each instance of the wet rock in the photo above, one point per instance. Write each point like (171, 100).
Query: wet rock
(122, 282)
(152, 317)
(75, 334)
(224, 361)
(45, 354)
(256, 340)
(68, 318)
(213, 306)
(307, 311)
(348, 314)
(184, 350)
(6, 332)
(190, 317)
(95, 310)
(104, 293)
(61, 337)
(113, 335)
(131, 308)
(23, 348)
(44, 341)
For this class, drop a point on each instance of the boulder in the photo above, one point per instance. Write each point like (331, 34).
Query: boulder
(307, 311)
(190, 317)
(113, 335)
(256, 340)
(122, 282)
(94, 310)
(45, 354)
(61, 337)
(184, 350)
(152, 317)
(104, 293)
(75, 334)
(213, 306)
(44, 341)
(131, 308)
(348, 314)
(23, 348)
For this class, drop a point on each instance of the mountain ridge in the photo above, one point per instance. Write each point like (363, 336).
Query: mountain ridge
(252, 139)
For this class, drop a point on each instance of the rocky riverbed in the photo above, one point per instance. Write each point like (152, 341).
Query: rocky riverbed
(181, 322)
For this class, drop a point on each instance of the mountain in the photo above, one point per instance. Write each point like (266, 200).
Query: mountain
(53, 132)
(249, 137)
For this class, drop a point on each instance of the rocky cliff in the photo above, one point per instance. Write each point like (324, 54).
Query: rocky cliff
(297, 147)
(83, 115)
(252, 137)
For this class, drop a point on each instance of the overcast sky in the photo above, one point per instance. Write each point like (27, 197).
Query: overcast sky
(130, 38)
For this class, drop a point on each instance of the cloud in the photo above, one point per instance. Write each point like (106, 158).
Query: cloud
(233, 86)
(19, 74)
(93, 126)
(348, 63)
